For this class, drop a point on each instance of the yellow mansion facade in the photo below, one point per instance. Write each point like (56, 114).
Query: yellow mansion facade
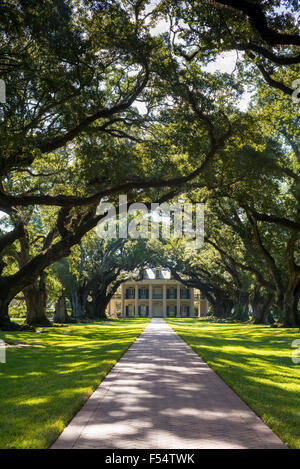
(157, 295)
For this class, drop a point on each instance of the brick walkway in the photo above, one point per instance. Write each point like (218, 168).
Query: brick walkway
(162, 395)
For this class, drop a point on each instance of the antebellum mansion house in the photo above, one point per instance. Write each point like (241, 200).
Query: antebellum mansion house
(156, 295)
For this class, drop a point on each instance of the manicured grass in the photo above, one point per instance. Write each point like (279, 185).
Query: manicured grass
(255, 361)
(43, 386)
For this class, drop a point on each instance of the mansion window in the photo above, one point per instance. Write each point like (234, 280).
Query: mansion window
(129, 310)
(143, 293)
(171, 311)
(143, 311)
(157, 273)
(157, 293)
(171, 293)
(130, 293)
(184, 293)
(185, 310)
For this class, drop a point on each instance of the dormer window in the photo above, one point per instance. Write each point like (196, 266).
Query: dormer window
(157, 273)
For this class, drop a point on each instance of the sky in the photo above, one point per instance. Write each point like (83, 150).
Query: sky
(224, 62)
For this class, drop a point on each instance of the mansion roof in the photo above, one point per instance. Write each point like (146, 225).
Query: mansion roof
(152, 273)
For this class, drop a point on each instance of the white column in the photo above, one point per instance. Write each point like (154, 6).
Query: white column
(136, 301)
(178, 301)
(150, 301)
(164, 301)
(192, 313)
(123, 301)
(203, 307)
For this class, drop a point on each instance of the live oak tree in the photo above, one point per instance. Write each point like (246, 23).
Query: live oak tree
(264, 38)
(94, 272)
(72, 135)
(202, 271)
(120, 261)
(241, 258)
(69, 225)
(274, 219)
(30, 241)
(72, 97)
(54, 94)
(225, 285)
(252, 189)
(267, 226)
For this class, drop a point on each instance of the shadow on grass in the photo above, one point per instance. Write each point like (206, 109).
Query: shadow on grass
(255, 361)
(163, 395)
(41, 387)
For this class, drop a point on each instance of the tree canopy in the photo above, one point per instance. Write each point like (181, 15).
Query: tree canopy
(125, 97)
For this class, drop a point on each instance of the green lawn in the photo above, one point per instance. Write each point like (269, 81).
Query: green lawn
(256, 362)
(43, 386)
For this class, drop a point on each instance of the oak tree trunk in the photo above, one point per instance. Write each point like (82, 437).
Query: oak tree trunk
(36, 298)
(5, 322)
(96, 309)
(60, 314)
(241, 307)
(288, 303)
(261, 307)
(289, 316)
(222, 307)
(78, 300)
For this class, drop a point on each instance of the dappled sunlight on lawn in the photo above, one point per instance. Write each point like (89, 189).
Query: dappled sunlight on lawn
(256, 362)
(43, 386)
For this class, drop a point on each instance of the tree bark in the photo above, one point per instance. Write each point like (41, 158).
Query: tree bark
(36, 298)
(261, 307)
(32, 268)
(288, 316)
(288, 302)
(78, 300)
(241, 307)
(5, 322)
(96, 309)
(262, 311)
(73, 298)
(222, 307)
(60, 315)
